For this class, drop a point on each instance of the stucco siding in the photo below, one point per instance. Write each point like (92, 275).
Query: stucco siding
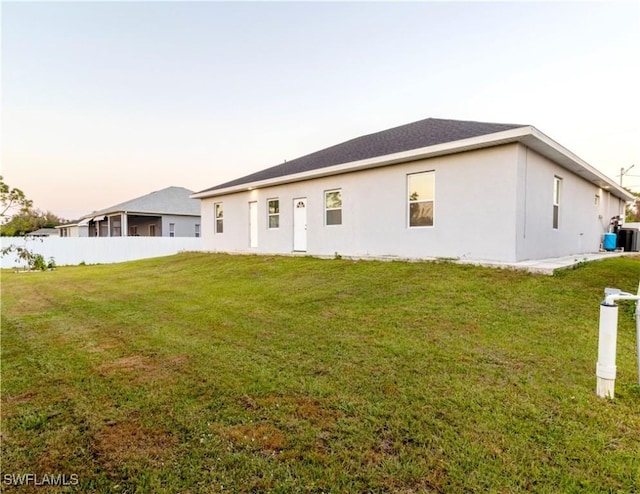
(474, 216)
(185, 226)
(140, 226)
(584, 210)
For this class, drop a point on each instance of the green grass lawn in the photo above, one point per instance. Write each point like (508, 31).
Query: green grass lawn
(215, 373)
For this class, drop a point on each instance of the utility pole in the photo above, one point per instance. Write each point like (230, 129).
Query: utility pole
(623, 172)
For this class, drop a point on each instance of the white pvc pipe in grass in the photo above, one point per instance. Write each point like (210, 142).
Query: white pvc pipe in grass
(638, 333)
(607, 339)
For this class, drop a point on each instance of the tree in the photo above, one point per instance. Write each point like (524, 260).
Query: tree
(12, 201)
(19, 217)
(17, 211)
(29, 221)
(633, 210)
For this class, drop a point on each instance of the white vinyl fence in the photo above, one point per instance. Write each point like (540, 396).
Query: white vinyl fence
(97, 250)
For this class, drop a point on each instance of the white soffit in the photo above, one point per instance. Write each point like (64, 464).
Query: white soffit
(565, 158)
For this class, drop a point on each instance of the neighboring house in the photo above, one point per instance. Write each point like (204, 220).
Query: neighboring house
(74, 229)
(168, 212)
(428, 189)
(43, 232)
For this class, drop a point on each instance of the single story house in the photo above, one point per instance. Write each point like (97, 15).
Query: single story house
(43, 232)
(434, 188)
(168, 212)
(73, 229)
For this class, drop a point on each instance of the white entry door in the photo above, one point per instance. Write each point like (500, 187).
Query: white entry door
(253, 224)
(300, 224)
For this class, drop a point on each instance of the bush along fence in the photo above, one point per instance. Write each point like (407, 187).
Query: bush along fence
(32, 260)
(47, 252)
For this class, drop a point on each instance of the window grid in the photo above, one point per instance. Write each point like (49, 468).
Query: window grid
(219, 213)
(420, 190)
(333, 207)
(557, 185)
(273, 213)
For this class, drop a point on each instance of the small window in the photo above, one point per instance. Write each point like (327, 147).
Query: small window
(172, 229)
(116, 230)
(219, 217)
(197, 230)
(421, 195)
(557, 185)
(333, 207)
(273, 211)
(152, 230)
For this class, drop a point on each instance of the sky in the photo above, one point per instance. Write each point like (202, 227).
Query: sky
(103, 102)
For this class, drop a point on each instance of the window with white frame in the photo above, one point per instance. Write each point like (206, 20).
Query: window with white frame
(219, 212)
(172, 229)
(273, 212)
(557, 186)
(333, 207)
(420, 188)
(116, 229)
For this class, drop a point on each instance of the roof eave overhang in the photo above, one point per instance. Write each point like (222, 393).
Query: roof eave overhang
(116, 212)
(548, 148)
(527, 135)
(156, 214)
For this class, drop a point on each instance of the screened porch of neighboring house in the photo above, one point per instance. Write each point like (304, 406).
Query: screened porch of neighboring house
(124, 224)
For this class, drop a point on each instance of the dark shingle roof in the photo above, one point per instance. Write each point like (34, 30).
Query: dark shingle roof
(423, 133)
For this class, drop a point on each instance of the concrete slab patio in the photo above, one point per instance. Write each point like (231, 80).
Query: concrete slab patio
(550, 265)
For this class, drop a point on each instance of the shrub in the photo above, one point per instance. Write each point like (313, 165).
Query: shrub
(37, 262)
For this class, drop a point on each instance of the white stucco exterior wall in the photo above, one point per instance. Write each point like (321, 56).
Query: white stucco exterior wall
(584, 213)
(73, 230)
(474, 213)
(185, 226)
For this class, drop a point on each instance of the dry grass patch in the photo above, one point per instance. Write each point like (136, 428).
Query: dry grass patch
(130, 363)
(142, 368)
(20, 399)
(262, 437)
(301, 408)
(118, 443)
(101, 347)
